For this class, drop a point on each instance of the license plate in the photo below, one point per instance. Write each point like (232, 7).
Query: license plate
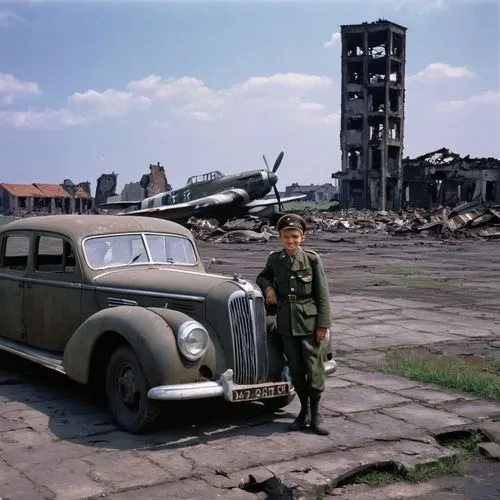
(261, 392)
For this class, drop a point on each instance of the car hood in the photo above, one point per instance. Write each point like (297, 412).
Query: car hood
(161, 279)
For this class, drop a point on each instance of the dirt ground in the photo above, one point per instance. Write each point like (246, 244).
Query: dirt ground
(455, 273)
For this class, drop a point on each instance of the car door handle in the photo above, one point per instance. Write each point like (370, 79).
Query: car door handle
(24, 285)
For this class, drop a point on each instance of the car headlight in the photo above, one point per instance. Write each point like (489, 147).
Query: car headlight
(192, 340)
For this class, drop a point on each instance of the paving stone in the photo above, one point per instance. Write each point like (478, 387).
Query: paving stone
(431, 396)
(383, 426)
(54, 452)
(22, 438)
(477, 408)
(469, 332)
(422, 325)
(174, 465)
(15, 486)
(491, 450)
(382, 329)
(491, 430)
(71, 481)
(427, 418)
(10, 425)
(380, 380)
(405, 304)
(121, 470)
(234, 454)
(333, 382)
(188, 489)
(65, 427)
(389, 492)
(351, 399)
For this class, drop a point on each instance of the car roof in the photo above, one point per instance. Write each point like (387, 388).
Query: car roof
(81, 226)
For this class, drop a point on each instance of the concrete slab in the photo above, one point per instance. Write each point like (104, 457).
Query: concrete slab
(427, 418)
(477, 409)
(357, 398)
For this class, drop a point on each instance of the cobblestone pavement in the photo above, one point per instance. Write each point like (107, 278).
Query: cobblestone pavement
(57, 441)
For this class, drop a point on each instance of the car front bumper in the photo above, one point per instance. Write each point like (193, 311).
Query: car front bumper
(223, 387)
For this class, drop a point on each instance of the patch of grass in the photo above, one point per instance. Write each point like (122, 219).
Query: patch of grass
(480, 378)
(400, 271)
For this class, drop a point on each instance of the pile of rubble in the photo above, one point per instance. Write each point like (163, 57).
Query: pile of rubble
(468, 220)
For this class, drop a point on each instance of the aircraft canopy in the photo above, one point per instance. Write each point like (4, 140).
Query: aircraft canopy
(209, 176)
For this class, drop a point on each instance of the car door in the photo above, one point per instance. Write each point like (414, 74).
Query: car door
(52, 298)
(14, 259)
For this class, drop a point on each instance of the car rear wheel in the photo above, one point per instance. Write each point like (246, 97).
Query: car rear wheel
(127, 392)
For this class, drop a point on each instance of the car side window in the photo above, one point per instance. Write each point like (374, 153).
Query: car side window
(54, 255)
(16, 252)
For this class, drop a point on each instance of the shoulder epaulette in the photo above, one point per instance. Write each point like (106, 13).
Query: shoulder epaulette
(311, 251)
(274, 251)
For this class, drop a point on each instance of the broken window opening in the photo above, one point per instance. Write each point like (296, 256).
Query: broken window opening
(394, 129)
(352, 96)
(21, 202)
(396, 72)
(376, 78)
(354, 158)
(377, 52)
(355, 72)
(355, 123)
(394, 100)
(397, 45)
(376, 158)
(490, 191)
(355, 44)
(376, 100)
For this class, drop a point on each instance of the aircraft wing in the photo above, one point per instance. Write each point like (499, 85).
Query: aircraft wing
(274, 201)
(197, 208)
(119, 204)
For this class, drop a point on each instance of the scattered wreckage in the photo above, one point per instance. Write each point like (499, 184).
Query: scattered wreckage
(468, 220)
(142, 318)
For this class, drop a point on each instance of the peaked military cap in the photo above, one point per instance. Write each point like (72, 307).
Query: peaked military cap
(291, 221)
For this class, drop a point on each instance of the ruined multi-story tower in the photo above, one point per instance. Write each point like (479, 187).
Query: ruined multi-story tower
(372, 115)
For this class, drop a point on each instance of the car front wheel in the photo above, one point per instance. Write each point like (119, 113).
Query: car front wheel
(127, 392)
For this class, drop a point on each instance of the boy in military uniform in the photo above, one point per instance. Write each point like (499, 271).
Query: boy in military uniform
(294, 281)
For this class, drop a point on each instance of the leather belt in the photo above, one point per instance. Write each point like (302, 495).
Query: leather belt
(292, 298)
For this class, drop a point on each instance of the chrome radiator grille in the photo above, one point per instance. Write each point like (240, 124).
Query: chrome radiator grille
(248, 328)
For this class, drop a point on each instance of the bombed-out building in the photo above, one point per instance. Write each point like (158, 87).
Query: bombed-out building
(443, 177)
(41, 198)
(372, 115)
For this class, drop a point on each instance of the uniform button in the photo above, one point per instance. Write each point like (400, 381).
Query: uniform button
(292, 289)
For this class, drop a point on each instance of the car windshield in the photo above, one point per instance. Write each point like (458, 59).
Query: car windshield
(141, 248)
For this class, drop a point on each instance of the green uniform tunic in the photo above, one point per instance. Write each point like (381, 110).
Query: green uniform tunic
(303, 305)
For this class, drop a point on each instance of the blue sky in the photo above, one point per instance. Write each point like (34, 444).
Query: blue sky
(91, 87)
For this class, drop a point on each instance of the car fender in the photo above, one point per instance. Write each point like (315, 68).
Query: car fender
(151, 334)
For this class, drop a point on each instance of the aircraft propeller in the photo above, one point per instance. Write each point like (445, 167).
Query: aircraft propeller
(276, 165)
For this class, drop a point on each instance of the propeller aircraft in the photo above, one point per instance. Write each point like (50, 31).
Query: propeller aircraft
(212, 195)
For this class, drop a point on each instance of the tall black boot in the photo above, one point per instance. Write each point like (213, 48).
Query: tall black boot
(304, 416)
(316, 420)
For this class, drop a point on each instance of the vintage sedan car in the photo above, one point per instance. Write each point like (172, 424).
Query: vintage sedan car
(125, 303)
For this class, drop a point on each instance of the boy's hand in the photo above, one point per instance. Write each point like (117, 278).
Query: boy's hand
(320, 333)
(271, 297)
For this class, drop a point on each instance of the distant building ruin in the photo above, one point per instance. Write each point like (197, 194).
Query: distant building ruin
(445, 178)
(372, 115)
(105, 188)
(41, 198)
(315, 192)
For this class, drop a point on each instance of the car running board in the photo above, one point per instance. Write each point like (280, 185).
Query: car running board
(40, 356)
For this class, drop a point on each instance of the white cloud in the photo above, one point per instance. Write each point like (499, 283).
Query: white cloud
(187, 97)
(491, 97)
(439, 70)
(11, 88)
(419, 6)
(6, 17)
(333, 42)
